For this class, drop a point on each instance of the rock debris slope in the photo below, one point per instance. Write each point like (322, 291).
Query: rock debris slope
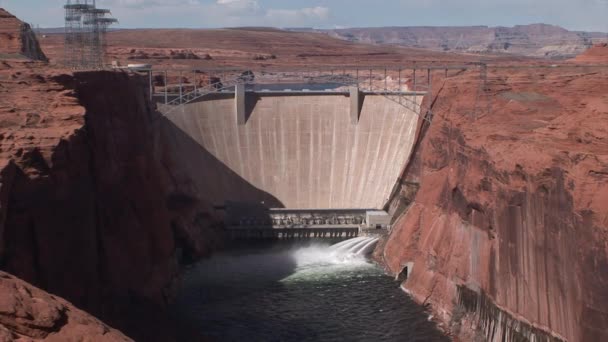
(30, 314)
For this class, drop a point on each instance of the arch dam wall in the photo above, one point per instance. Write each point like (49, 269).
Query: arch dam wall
(295, 151)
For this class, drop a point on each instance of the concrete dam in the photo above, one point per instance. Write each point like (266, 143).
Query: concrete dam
(294, 150)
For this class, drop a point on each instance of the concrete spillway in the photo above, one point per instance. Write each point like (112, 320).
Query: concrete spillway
(298, 151)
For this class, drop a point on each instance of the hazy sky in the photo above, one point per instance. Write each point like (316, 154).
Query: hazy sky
(571, 14)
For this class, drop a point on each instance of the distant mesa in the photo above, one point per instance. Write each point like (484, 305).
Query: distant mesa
(535, 40)
(17, 39)
(597, 54)
(172, 54)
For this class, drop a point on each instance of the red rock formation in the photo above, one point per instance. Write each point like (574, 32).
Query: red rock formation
(17, 38)
(598, 54)
(88, 210)
(28, 313)
(506, 228)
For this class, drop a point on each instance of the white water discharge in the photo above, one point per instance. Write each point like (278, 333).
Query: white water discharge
(304, 290)
(323, 261)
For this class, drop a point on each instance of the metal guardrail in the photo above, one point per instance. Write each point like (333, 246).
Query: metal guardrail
(400, 97)
(365, 77)
(198, 93)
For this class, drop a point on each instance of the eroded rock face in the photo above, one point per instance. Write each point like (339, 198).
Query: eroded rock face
(597, 54)
(17, 38)
(28, 313)
(507, 235)
(87, 206)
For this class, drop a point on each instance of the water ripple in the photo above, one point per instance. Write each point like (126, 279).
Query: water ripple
(299, 293)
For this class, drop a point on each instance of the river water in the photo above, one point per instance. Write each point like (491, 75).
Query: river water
(303, 291)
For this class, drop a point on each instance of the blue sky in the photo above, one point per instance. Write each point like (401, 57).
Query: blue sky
(589, 15)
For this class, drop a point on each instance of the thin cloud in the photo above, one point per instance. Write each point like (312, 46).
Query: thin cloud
(588, 15)
(146, 3)
(297, 17)
(213, 13)
(240, 5)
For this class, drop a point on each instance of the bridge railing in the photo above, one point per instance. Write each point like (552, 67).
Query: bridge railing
(389, 80)
(397, 85)
(403, 98)
(212, 88)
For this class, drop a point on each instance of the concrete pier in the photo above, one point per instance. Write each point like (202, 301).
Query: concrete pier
(291, 233)
(245, 221)
(356, 102)
(239, 103)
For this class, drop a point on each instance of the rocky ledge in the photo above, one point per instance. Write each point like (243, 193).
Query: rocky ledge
(30, 314)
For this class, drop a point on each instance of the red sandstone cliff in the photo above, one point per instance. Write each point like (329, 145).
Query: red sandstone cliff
(505, 228)
(597, 54)
(18, 39)
(30, 314)
(89, 209)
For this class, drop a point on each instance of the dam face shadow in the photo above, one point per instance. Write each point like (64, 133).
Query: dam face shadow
(212, 282)
(251, 100)
(303, 149)
(243, 272)
(194, 170)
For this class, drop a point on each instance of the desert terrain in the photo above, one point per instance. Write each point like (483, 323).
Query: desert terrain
(535, 40)
(502, 206)
(253, 48)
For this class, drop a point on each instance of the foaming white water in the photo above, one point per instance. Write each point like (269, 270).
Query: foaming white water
(345, 245)
(323, 261)
(349, 248)
(367, 248)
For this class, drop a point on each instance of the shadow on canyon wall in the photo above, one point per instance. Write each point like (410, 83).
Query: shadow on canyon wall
(104, 218)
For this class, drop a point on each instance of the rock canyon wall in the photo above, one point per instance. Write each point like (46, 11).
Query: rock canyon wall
(89, 212)
(505, 228)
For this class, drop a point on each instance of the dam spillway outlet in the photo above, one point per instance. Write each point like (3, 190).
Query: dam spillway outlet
(295, 150)
(244, 220)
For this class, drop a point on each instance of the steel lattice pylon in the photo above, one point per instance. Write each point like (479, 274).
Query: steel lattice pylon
(85, 34)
